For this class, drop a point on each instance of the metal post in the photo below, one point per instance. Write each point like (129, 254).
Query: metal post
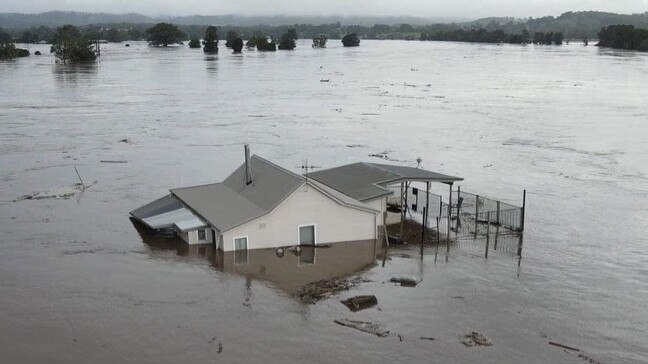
(476, 214)
(423, 230)
(522, 224)
(496, 236)
(449, 213)
(488, 234)
(458, 210)
(523, 209)
(402, 211)
(498, 213)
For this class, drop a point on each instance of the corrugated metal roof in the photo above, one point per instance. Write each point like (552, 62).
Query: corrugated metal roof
(340, 197)
(366, 181)
(357, 180)
(270, 185)
(233, 202)
(159, 206)
(412, 173)
(167, 212)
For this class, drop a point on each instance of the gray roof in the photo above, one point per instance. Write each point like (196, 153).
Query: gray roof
(231, 203)
(167, 212)
(367, 181)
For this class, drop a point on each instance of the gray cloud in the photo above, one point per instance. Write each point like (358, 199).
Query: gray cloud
(423, 8)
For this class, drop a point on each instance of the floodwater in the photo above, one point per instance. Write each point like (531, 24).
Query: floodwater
(79, 283)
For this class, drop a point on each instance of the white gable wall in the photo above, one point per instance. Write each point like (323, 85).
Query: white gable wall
(333, 222)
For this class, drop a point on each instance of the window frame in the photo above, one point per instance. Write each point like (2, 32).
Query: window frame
(247, 243)
(314, 233)
(204, 230)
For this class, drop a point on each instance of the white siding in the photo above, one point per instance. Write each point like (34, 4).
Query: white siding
(334, 222)
(379, 204)
(191, 236)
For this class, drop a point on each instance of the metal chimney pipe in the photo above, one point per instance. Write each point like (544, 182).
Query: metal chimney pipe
(248, 168)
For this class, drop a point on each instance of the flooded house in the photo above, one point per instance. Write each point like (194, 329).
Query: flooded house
(262, 205)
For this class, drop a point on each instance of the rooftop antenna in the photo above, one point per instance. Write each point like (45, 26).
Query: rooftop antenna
(306, 168)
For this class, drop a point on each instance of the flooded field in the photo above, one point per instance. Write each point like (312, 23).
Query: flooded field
(80, 283)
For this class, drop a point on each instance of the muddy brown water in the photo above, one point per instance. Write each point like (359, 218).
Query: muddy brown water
(79, 283)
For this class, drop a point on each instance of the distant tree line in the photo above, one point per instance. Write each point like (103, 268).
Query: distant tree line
(8, 48)
(573, 25)
(624, 37)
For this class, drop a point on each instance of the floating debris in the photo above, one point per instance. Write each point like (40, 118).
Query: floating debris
(563, 346)
(315, 291)
(460, 298)
(427, 338)
(363, 326)
(407, 281)
(116, 161)
(358, 303)
(476, 338)
(57, 192)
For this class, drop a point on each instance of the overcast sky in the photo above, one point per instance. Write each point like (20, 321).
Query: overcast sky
(422, 8)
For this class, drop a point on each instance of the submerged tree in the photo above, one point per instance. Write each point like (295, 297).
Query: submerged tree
(263, 44)
(71, 46)
(287, 40)
(320, 41)
(229, 40)
(163, 34)
(211, 40)
(8, 49)
(351, 40)
(237, 45)
(194, 43)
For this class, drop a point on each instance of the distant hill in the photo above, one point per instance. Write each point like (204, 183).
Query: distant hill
(58, 18)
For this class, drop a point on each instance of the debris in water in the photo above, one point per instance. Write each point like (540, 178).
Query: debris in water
(461, 298)
(109, 161)
(126, 141)
(358, 303)
(363, 326)
(476, 338)
(407, 281)
(563, 346)
(427, 338)
(57, 192)
(325, 80)
(220, 348)
(315, 291)
(383, 155)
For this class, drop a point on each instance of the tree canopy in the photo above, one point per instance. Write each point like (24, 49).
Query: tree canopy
(194, 43)
(71, 46)
(287, 40)
(210, 44)
(265, 45)
(624, 37)
(351, 40)
(8, 49)
(237, 45)
(163, 34)
(231, 36)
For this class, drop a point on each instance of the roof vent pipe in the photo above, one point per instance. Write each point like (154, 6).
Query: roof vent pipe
(248, 168)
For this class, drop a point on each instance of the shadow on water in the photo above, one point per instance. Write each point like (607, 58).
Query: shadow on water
(211, 64)
(74, 73)
(287, 269)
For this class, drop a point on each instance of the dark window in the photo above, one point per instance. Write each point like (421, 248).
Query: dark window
(202, 236)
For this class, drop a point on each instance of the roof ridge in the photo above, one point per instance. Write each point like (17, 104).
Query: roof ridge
(202, 185)
(302, 178)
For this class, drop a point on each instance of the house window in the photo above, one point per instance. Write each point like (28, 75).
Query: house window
(240, 244)
(241, 250)
(307, 235)
(202, 236)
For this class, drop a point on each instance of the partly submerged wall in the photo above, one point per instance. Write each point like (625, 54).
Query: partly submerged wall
(333, 222)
